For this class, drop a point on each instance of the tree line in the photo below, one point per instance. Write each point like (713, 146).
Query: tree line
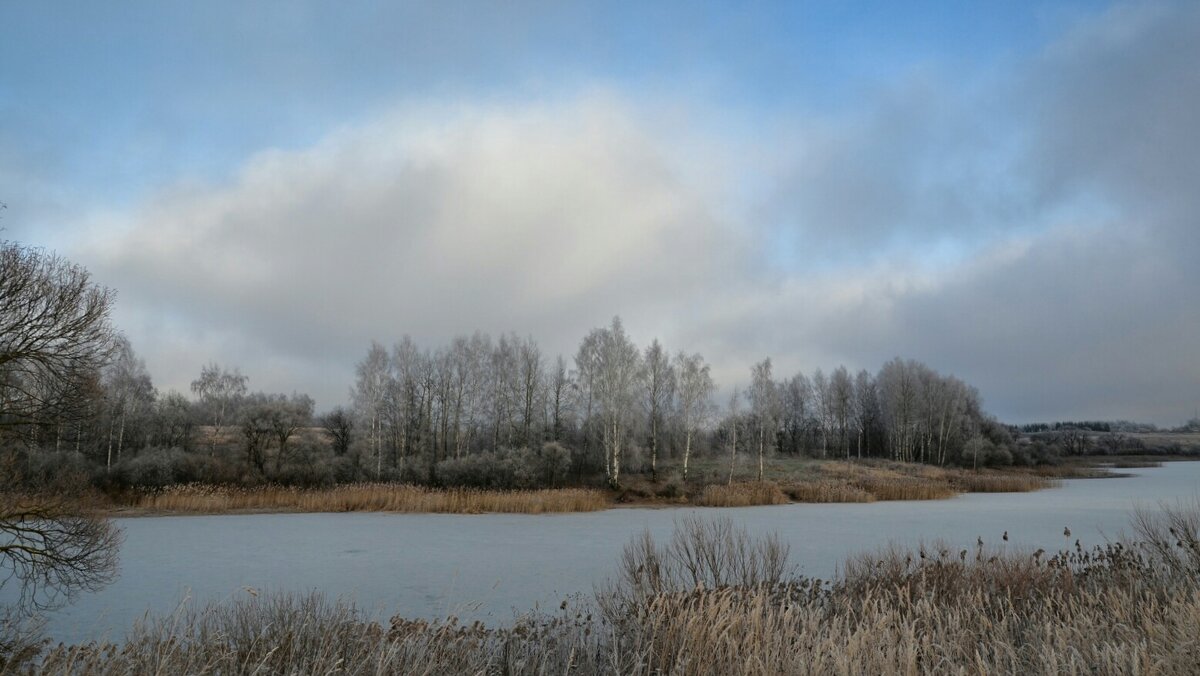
(73, 391)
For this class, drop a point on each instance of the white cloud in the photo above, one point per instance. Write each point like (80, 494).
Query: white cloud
(544, 219)
(1038, 242)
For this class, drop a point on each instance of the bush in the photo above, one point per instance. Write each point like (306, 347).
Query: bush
(521, 468)
(159, 467)
(56, 470)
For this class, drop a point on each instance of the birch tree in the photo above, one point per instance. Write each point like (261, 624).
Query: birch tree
(764, 404)
(658, 389)
(371, 382)
(695, 387)
(219, 391)
(734, 422)
(841, 402)
(612, 360)
(130, 393)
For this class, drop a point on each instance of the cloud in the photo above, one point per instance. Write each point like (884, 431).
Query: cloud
(1038, 239)
(1034, 234)
(543, 218)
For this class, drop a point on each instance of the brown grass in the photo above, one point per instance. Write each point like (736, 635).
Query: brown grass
(999, 482)
(369, 497)
(1069, 471)
(1135, 464)
(826, 491)
(907, 488)
(744, 494)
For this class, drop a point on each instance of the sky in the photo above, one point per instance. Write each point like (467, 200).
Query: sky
(1007, 191)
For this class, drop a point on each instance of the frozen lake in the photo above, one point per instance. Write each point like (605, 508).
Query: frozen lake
(487, 566)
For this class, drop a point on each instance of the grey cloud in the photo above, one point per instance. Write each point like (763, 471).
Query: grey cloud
(544, 219)
(1079, 298)
(1066, 195)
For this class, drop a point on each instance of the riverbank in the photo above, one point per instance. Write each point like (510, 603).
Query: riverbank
(785, 481)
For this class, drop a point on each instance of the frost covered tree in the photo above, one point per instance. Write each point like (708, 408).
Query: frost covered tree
(658, 389)
(129, 393)
(219, 391)
(612, 363)
(764, 405)
(695, 388)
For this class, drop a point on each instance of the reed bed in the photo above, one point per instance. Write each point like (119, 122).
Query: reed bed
(742, 494)
(1069, 471)
(907, 488)
(826, 490)
(1135, 464)
(997, 482)
(371, 497)
(714, 600)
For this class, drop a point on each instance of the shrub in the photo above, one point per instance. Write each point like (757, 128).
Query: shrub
(56, 470)
(523, 468)
(158, 467)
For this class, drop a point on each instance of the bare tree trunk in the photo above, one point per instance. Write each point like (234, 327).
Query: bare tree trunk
(761, 451)
(375, 441)
(108, 464)
(733, 453)
(654, 448)
(121, 437)
(616, 460)
(687, 452)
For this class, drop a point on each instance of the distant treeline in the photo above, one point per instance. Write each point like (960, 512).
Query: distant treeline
(1107, 426)
(479, 411)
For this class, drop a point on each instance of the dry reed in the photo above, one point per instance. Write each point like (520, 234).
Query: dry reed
(826, 490)
(906, 488)
(369, 497)
(997, 482)
(742, 494)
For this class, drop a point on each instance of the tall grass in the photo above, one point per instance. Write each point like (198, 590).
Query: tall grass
(743, 494)
(827, 491)
(369, 497)
(997, 482)
(713, 600)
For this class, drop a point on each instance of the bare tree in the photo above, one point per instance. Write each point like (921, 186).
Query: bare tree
(286, 416)
(339, 423)
(764, 405)
(254, 417)
(130, 393)
(55, 335)
(735, 414)
(658, 388)
(866, 409)
(612, 360)
(173, 422)
(695, 386)
(368, 395)
(529, 357)
(559, 399)
(898, 397)
(841, 406)
(219, 391)
(823, 404)
(796, 412)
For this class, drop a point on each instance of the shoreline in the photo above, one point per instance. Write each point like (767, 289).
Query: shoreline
(820, 482)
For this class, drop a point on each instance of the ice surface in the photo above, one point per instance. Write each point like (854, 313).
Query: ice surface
(488, 566)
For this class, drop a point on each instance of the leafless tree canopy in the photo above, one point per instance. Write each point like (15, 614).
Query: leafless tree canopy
(55, 335)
